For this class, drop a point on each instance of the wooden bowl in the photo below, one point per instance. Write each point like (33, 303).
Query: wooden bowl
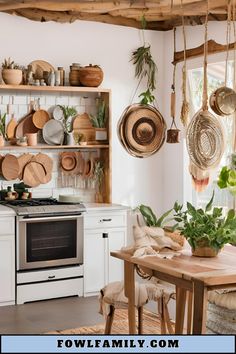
(68, 161)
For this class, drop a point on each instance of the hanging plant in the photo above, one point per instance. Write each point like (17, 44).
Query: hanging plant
(145, 67)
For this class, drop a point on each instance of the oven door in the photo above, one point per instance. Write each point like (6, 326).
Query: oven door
(49, 242)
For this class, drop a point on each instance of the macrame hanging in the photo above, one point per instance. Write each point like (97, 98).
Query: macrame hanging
(185, 105)
(173, 132)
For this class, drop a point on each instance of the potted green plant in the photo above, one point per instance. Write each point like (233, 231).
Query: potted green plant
(99, 121)
(11, 72)
(69, 113)
(2, 129)
(206, 230)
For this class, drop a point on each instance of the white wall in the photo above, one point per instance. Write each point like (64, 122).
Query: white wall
(175, 160)
(134, 180)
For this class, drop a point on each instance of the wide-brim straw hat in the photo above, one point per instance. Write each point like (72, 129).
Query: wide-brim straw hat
(141, 130)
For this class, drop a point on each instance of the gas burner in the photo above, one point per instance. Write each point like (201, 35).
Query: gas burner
(43, 206)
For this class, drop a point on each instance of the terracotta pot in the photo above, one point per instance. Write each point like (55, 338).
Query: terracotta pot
(12, 76)
(91, 76)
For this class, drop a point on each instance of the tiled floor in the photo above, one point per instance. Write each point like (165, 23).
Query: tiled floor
(44, 316)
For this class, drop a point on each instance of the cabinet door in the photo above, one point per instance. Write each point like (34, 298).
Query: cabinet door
(94, 261)
(116, 240)
(7, 269)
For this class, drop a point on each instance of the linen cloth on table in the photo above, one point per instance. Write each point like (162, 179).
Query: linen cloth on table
(152, 241)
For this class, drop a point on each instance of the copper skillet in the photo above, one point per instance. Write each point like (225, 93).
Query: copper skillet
(223, 101)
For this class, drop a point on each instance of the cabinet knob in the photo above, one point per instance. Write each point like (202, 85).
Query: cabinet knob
(105, 235)
(105, 220)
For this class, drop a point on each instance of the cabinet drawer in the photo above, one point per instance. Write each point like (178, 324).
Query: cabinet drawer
(49, 275)
(7, 226)
(104, 220)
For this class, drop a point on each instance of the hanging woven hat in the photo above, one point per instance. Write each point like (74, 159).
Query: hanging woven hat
(141, 130)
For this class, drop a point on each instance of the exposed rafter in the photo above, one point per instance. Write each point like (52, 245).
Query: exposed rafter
(159, 14)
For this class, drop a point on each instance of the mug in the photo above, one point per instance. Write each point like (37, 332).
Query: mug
(32, 139)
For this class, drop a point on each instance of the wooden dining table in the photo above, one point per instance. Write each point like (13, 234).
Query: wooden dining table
(190, 275)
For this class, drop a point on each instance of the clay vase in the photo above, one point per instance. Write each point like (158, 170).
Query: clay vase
(91, 76)
(12, 76)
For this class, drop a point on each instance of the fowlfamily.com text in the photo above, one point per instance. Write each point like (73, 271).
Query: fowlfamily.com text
(117, 343)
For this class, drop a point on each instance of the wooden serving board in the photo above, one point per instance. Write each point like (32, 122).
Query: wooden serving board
(34, 174)
(45, 160)
(25, 126)
(40, 118)
(10, 167)
(23, 160)
(11, 127)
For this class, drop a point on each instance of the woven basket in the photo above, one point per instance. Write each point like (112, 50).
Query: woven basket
(205, 140)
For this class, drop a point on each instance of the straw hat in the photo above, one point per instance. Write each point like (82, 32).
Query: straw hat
(141, 130)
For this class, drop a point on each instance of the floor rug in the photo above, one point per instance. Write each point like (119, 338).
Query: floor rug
(120, 325)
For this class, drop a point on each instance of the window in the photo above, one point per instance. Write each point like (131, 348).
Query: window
(216, 79)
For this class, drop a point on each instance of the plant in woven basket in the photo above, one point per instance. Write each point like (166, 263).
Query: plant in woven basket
(207, 231)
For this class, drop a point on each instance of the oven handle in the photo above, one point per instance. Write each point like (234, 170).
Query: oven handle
(53, 218)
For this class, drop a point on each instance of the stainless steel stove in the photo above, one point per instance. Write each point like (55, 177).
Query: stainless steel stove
(49, 248)
(44, 207)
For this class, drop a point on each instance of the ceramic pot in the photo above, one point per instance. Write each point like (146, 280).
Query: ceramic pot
(12, 76)
(69, 138)
(100, 134)
(91, 76)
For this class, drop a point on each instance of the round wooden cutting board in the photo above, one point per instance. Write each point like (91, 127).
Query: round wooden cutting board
(34, 174)
(10, 167)
(40, 118)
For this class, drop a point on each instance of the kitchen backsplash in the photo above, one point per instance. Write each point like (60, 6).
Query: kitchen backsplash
(19, 106)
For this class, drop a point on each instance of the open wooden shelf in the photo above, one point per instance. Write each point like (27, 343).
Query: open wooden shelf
(52, 89)
(45, 146)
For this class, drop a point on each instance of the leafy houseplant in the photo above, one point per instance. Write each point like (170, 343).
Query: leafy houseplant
(227, 179)
(68, 114)
(207, 231)
(11, 72)
(99, 121)
(150, 218)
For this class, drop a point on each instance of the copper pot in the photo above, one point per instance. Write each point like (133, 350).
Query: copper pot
(223, 101)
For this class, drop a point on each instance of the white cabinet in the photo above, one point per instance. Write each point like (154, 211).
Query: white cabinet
(104, 232)
(7, 261)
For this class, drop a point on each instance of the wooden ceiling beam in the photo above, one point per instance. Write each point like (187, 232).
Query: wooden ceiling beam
(213, 48)
(81, 6)
(63, 17)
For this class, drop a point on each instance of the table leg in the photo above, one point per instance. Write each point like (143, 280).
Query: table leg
(129, 287)
(200, 307)
(180, 309)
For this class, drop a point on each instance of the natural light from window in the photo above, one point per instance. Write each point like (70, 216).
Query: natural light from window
(216, 79)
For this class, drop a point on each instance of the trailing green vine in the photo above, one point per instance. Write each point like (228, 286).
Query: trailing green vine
(145, 67)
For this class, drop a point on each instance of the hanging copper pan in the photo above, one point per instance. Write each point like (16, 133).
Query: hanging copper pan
(223, 101)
